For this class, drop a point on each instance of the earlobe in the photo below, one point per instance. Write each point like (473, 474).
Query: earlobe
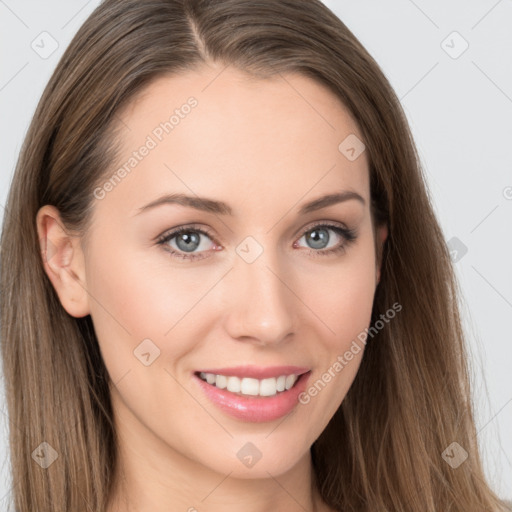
(63, 261)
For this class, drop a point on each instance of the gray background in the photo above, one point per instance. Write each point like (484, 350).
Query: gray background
(459, 106)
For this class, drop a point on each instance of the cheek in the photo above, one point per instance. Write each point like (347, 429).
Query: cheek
(129, 301)
(342, 296)
(343, 301)
(137, 304)
(140, 295)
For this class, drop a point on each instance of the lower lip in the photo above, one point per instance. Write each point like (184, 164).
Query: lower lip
(258, 408)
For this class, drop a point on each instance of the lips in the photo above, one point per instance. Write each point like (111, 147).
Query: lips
(255, 408)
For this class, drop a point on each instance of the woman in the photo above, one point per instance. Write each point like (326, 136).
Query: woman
(175, 333)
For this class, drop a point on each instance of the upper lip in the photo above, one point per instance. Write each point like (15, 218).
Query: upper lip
(257, 372)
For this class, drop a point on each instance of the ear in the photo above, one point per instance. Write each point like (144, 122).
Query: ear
(63, 261)
(381, 235)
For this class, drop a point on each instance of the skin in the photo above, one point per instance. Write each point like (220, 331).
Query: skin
(265, 147)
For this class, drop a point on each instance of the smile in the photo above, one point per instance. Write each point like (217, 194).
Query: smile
(250, 398)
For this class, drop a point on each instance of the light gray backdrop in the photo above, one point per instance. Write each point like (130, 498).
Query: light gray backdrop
(450, 63)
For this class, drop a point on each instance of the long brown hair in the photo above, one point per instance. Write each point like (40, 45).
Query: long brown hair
(382, 450)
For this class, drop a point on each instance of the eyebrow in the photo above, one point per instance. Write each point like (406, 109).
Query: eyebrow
(219, 207)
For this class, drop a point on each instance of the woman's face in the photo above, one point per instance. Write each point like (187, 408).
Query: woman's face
(254, 282)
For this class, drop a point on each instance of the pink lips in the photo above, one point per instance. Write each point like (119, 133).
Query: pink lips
(256, 408)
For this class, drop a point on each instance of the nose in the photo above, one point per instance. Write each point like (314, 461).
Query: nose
(261, 301)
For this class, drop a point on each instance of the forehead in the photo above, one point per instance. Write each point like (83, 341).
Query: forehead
(218, 130)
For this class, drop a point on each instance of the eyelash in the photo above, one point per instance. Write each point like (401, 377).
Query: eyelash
(349, 236)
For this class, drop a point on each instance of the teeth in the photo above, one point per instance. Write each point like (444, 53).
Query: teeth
(234, 384)
(268, 387)
(290, 381)
(221, 381)
(250, 386)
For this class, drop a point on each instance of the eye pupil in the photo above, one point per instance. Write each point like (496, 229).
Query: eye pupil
(319, 237)
(191, 240)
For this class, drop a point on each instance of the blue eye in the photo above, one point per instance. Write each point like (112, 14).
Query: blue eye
(188, 239)
(319, 237)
